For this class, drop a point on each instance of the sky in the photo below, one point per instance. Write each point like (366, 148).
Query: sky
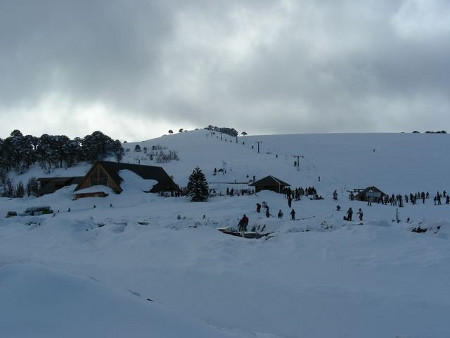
(135, 69)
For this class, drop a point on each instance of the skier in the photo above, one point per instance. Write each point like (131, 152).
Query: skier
(335, 195)
(258, 207)
(293, 214)
(243, 223)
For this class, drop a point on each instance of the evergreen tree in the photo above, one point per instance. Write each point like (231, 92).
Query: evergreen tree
(20, 190)
(32, 187)
(98, 146)
(197, 186)
(73, 152)
(8, 189)
(118, 150)
(46, 153)
(17, 152)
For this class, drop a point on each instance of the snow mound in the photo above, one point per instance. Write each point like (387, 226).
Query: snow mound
(134, 183)
(47, 303)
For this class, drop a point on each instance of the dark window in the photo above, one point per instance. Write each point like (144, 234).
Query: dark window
(98, 177)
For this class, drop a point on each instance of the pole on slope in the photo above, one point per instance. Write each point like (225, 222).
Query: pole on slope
(258, 142)
(297, 164)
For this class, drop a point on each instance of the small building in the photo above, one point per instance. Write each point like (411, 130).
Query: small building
(105, 173)
(270, 183)
(372, 193)
(48, 185)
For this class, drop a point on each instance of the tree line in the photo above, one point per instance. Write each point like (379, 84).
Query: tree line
(18, 152)
(225, 130)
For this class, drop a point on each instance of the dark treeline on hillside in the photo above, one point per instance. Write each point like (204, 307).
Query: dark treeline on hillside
(431, 132)
(19, 152)
(229, 131)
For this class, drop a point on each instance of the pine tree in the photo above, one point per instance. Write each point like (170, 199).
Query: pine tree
(118, 151)
(20, 190)
(32, 187)
(197, 186)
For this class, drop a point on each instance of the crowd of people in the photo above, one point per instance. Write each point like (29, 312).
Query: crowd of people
(297, 193)
(412, 198)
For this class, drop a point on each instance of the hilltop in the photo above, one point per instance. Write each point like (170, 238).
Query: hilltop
(143, 265)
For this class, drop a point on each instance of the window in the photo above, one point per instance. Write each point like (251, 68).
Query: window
(98, 177)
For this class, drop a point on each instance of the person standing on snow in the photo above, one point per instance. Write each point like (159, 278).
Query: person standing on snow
(360, 214)
(267, 212)
(258, 207)
(349, 214)
(243, 223)
(280, 214)
(293, 214)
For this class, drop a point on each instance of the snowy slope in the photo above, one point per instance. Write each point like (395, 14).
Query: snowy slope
(393, 162)
(91, 271)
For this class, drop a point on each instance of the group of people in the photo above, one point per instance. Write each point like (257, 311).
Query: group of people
(292, 213)
(349, 216)
(243, 222)
(239, 192)
(280, 213)
(297, 193)
(265, 206)
(392, 199)
(399, 199)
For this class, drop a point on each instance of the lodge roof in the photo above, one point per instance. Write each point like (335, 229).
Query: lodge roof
(270, 181)
(165, 182)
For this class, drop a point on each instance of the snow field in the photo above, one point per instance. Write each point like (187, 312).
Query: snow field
(91, 271)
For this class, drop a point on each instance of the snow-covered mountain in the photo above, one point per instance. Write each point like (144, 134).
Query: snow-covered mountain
(140, 265)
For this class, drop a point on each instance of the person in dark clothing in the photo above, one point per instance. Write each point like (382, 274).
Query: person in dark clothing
(267, 212)
(349, 215)
(258, 207)
(280, 214)
(293, 214)
(243, 223)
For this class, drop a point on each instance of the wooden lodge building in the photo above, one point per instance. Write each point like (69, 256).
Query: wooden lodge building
(270, 183)
(48, 185)
(372, 193)
(105, 173)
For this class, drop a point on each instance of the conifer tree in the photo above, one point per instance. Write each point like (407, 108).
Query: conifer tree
(20, 190)
(197, 186)
(32, 187)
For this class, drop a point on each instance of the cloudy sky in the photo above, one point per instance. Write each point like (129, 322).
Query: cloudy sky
(134, 69)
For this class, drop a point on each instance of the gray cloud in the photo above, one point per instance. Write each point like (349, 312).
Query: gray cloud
(260, 66)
